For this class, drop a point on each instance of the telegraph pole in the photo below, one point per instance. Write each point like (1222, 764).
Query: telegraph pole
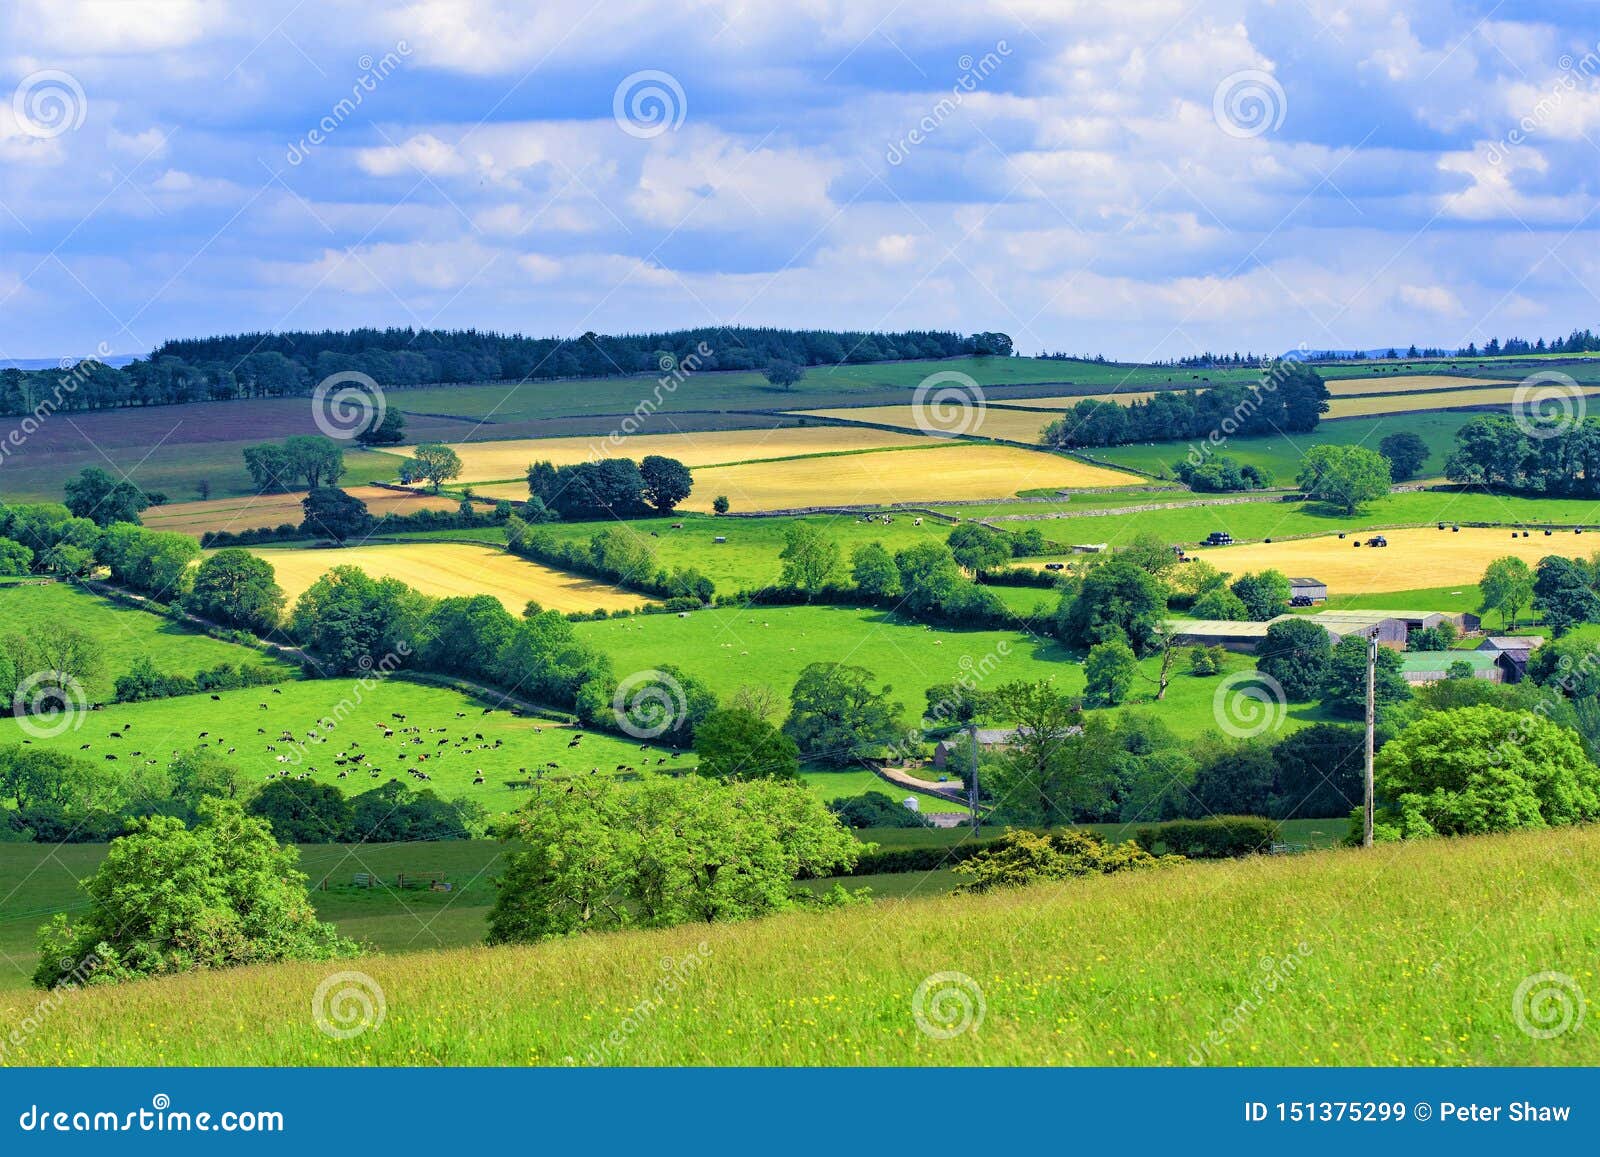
(1372, 666)
(972, 776)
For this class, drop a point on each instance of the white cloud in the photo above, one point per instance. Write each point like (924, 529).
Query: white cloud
(423, 153)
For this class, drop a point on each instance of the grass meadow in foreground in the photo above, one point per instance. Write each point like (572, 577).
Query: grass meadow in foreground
(1416, 954)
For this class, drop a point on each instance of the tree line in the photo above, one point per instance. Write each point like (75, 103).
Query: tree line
(1289, 398)
(271, 365)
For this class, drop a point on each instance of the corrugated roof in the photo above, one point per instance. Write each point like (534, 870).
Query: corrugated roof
(1441, 660)
(1237, 629)
(1306, 582)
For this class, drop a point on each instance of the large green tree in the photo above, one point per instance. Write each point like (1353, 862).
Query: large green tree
(238, 588)
(1563, 592)
(1044, 775)
(978, 549)
(1344, 682)
(1115, 600)
(436, 463)
(1344, 476)
(169, 898)
(1406, 453)
(1484, 769)
(837, 717)
(667, 482)
(1296, 653)
(1507, 587)
(811, 559)
(102, 499)
(737, 743)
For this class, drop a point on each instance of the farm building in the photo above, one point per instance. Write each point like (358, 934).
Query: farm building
(1243, 637)
(987, 738)
(1308, 588)
(1388, 627)
(1511, 653)
(1433, 666)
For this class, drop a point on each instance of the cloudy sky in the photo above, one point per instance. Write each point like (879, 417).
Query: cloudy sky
(1143, 178)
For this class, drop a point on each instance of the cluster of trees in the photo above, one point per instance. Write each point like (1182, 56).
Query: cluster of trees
(1290, 398)
(610, 487)
(1219, 473)
(306, 812)
(664, 852)
(1565, 591)
(1497, 450)
(52, 540)
(171, 898)
(144, 682)
(270, 365)
(300, 462)
(618, 554)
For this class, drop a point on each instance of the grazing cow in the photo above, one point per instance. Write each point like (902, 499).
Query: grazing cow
(216, 699)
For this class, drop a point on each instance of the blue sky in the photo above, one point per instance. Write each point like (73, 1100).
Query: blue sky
(1142, 178)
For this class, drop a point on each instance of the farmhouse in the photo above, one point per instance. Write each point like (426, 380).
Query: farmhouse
(1433, 666)
(987, 738)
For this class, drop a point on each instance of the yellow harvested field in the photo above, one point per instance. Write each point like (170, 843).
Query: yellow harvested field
(1421, 557)
(947, 472)
(1406, 383)
(991, 422)
(1451, 399)
(1066, 403)
(449, 568)
(494, 461)
(238, 514)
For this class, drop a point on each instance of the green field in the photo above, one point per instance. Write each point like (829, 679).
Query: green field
(1126, 970)
(729, 647)
(237, 726)
(1282, 454)
(1258, 520)
(124, 633)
